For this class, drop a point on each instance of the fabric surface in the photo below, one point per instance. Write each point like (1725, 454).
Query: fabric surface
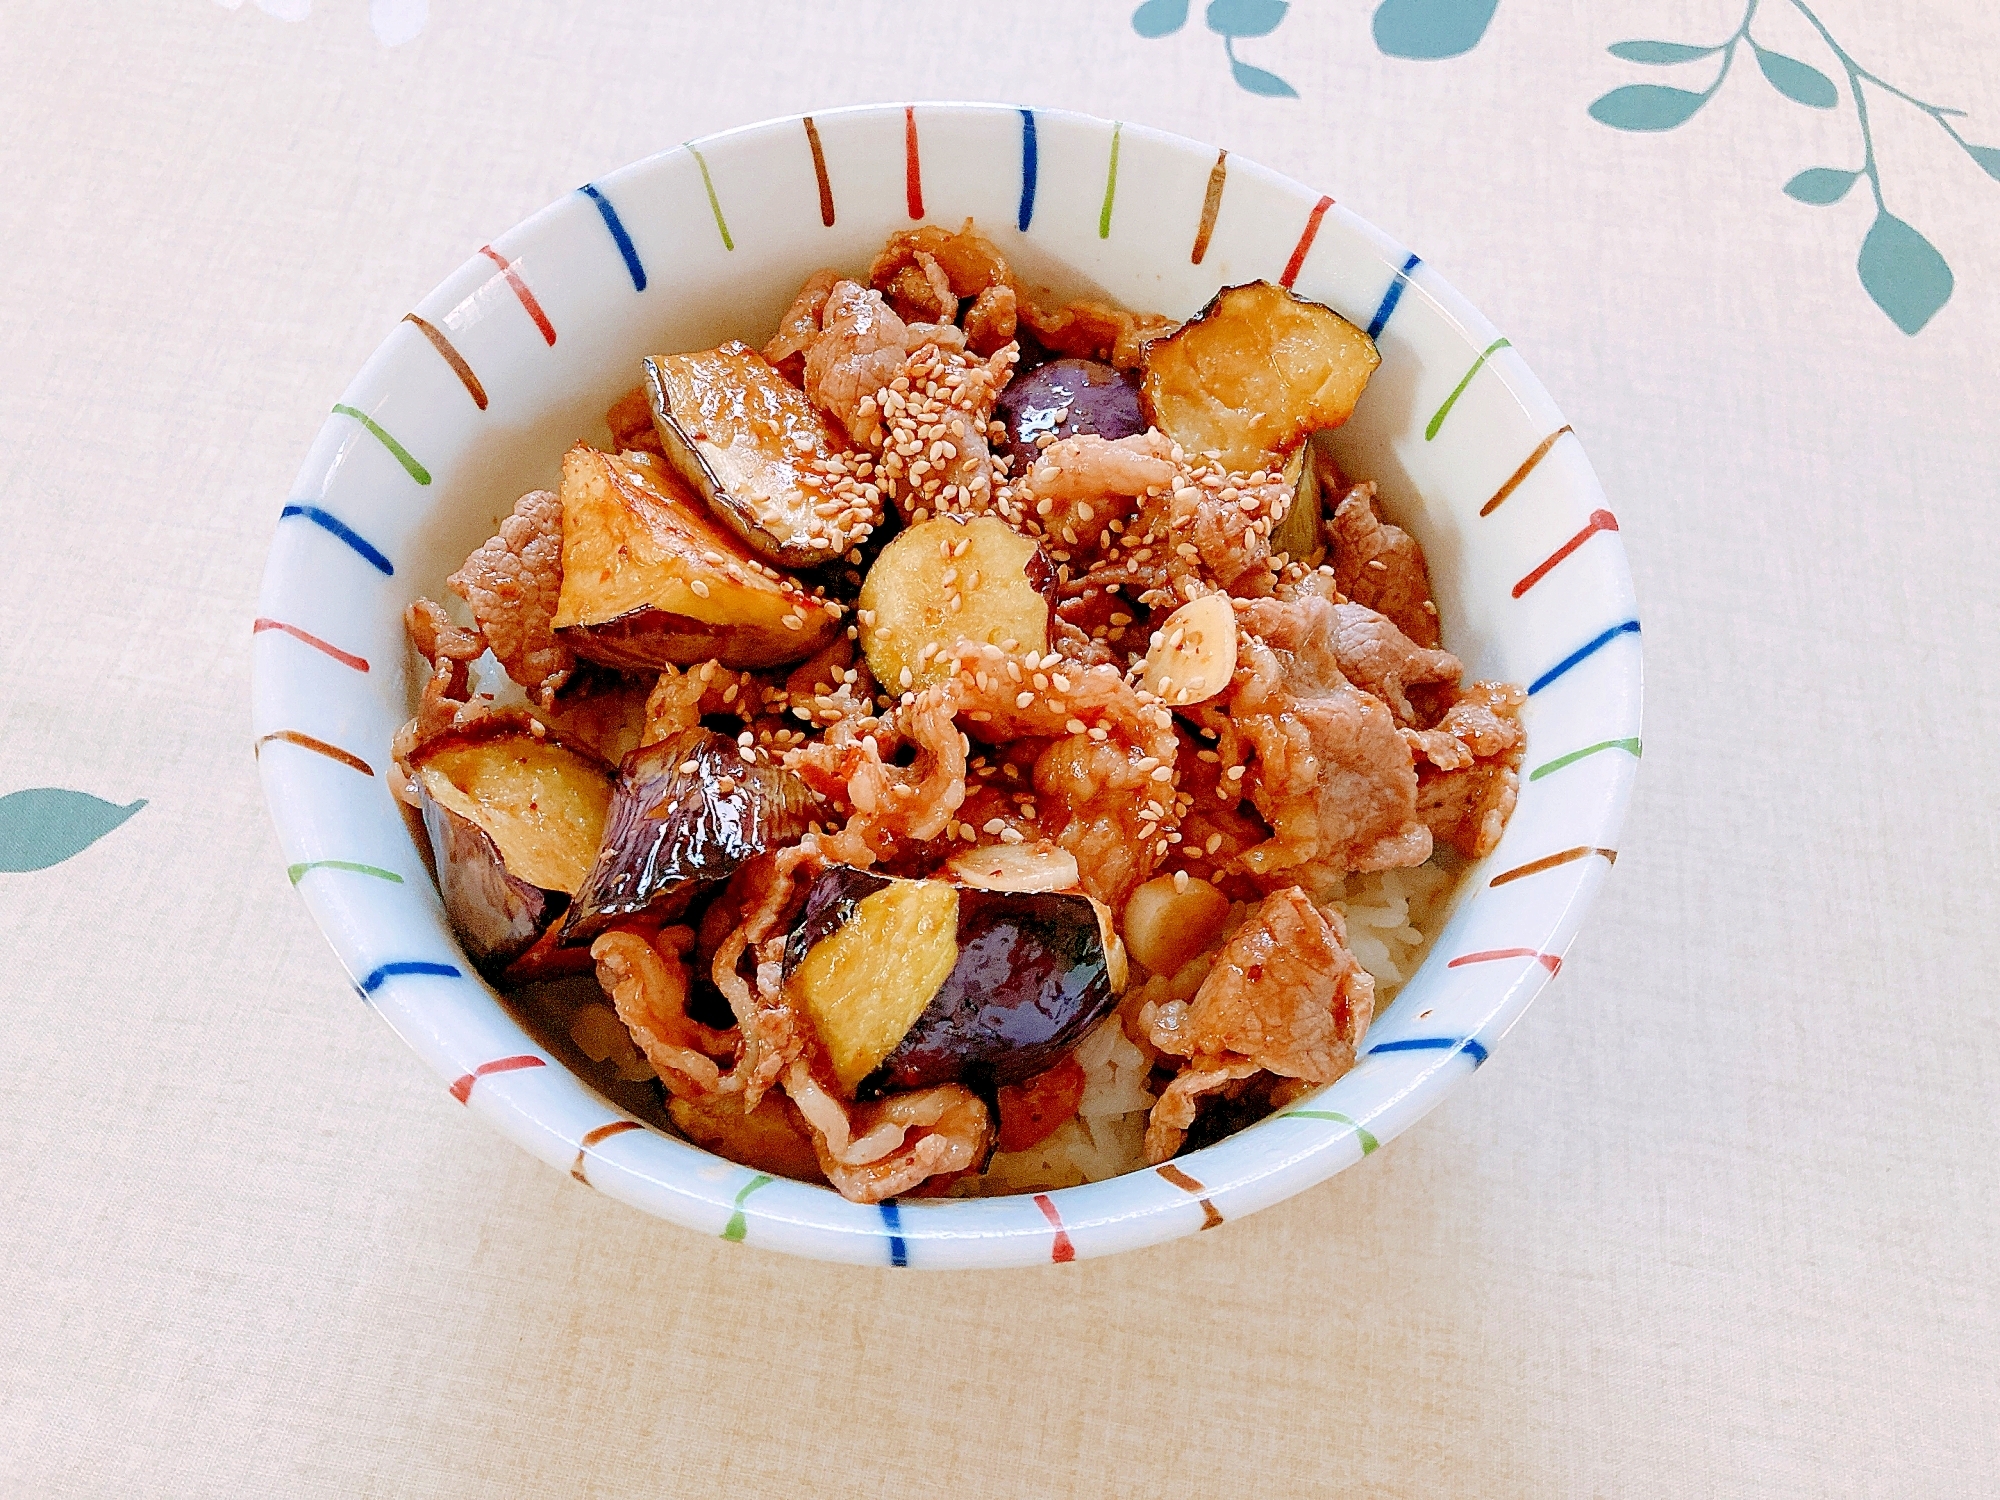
(1720, 1216)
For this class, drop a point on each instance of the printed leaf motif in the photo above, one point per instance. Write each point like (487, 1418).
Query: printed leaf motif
(1430, 29)
(1160, 17)
(1903, 272)
(1245, 18)
(1796, 80)
(1988, 158)
(1646, 106)
(1660, 54)
(1820, 185)
(45, 825)
(1257, 81)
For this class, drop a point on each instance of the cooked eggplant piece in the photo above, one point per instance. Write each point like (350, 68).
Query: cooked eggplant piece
(1254, 373)
(757, 451)
(685, 812)
(514, 822)
(650, 580)
(948, 580)
(496, 916)
(912, 983)
(1064, 398)
(1300, 536)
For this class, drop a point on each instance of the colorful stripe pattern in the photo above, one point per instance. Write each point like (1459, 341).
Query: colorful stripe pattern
(1551, 862)
(1210, 1215)
(332, 524)
(1361, 1132)
(511, 269)
(451, 357)
(913, 166)
(318, 747)
(819, 172)
(296, 873)
(1550, 961)
(345, 658)
(892, 1220)
(1527, 467)
(1030, 161)
(383, 973)
(619, 237)
(1304, 247)
(1061, 1251)
(1629, 745)
(462, 1089)
(1600, 520)
(1470, 1046)
(1110, 182)
(714, 203)
(1583, 653)
(1211, 205)
(738, 1224)
(397, 451)
(1436, 423)
(1390, 298)
(578, 1169)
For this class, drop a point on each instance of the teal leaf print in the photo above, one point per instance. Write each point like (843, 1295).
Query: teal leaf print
(1903, 272)
(1246, 18)
(45, 825)
(1821, 185)
(1646, 106)
(1431, 29)
(1231, 20)
(1160, 17)
(1659, 54)
(1796, 80)
(1257, 81)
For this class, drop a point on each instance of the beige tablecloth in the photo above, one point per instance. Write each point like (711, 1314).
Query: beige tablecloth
(1719, 1218)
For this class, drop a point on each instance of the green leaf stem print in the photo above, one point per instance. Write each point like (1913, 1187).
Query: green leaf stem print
(1233, 21)
(1901, 270)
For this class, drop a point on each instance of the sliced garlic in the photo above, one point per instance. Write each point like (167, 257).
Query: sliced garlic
(1016, 867)
(1194, 652)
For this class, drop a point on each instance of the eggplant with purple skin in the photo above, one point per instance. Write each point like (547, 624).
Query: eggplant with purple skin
(685, 813)
(650, 580)
(912, 983)
(514, 821)
(1064, 398)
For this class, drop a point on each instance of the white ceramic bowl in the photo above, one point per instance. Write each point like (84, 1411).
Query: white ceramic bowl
(474, 396)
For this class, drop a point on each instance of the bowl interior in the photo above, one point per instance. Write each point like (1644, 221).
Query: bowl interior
(475, 394)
